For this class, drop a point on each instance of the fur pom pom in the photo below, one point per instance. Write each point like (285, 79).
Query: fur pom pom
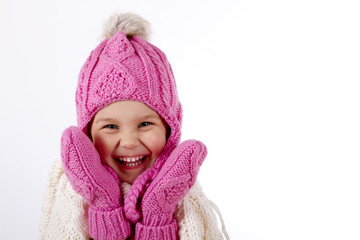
(128, 23)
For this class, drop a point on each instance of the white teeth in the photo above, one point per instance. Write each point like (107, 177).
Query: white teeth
(131, 161)
(132, 164)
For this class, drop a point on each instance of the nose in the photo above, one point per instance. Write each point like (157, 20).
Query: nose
(128, 140)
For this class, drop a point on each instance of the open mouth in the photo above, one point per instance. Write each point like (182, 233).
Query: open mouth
(131, 161)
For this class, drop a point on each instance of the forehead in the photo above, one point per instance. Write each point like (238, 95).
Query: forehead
(126, 109)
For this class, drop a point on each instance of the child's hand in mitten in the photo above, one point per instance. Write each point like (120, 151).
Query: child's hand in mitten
(172, 183)
(98, 184)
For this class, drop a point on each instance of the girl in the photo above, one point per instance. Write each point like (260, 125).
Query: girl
(123, 172)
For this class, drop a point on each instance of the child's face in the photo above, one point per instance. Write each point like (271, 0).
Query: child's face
(129, 137)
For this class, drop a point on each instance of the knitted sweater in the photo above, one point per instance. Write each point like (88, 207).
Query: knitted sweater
(64, 213)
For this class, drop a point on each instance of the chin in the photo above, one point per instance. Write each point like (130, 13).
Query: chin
(130, 178)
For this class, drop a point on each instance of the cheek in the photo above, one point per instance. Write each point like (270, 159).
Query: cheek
(104, 146)
(155, 142)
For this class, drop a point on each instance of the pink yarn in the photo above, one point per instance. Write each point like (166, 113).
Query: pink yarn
(96, 183)
(130, 68)
(168, 232)
(172, 183)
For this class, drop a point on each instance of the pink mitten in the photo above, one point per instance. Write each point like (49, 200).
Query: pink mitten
(96, 183)
(172, 183)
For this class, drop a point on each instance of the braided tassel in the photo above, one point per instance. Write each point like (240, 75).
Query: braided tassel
(132, 196)
(140, 185)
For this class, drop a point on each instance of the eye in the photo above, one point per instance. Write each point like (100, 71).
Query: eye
(111, 126)
(144, 124)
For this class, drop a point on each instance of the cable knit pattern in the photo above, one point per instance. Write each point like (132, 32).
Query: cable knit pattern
(96, 183)
(90, 178)
(173, 182)
(64, 212)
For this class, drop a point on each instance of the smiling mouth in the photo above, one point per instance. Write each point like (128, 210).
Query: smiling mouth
(131, 161)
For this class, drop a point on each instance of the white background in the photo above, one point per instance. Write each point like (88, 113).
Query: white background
(272, 88)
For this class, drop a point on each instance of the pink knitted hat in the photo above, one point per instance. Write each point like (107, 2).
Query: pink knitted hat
(124, 66)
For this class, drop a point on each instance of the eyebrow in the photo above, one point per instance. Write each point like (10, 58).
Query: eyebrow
(150, 115)
(104, 120)
(145, 116)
